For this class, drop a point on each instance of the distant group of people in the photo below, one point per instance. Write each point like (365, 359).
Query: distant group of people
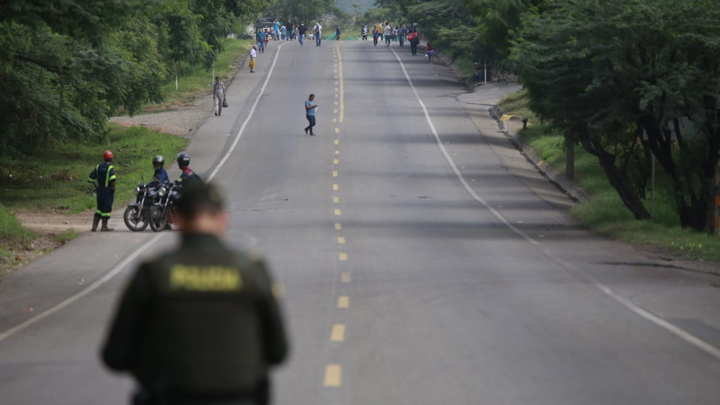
(388, 33)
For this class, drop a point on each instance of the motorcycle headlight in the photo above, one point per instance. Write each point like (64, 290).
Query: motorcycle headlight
(162, 191)
(137, 190)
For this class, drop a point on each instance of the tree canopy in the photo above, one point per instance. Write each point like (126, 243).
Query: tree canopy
(66, 65)
(626, 78)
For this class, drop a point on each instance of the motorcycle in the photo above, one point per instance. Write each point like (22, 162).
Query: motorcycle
(168, 195)
(137, 214)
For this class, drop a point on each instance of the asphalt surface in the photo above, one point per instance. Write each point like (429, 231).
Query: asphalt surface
(424, 260)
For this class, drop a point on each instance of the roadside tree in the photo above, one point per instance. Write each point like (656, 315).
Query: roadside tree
(625, 77)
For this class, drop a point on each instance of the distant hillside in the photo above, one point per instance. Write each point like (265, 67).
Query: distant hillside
(346, 5)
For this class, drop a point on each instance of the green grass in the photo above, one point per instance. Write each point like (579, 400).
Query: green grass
(67, 236)
(465, 65)
(606, 213)
(11, 229)
(199, 80)
(516, 104)
(56, 180)
(12, 237)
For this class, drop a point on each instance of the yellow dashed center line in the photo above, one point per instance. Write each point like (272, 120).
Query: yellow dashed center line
(338, 333)
(345, 277)
(338, 212)
(343, 257)
(343, 302)
(334, 120)
(337, 152)
(336, 200)
(338, 226)
(335, 173)
(333, 375)
(342, 86)
(336, 161)
(341, 240)
(336, 187)
(337, 142)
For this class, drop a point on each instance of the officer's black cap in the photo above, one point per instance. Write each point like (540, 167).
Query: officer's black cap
(198, 196)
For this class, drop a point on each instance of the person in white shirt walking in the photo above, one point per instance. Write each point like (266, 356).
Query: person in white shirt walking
(253, 55)
(317, 30)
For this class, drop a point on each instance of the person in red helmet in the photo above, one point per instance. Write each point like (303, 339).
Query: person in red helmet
(103, 178)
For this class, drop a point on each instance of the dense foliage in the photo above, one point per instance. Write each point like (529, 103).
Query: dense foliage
(305, 11)
(66, 65)
(631, 78)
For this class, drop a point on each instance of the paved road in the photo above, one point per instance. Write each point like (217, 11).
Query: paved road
(424, 261)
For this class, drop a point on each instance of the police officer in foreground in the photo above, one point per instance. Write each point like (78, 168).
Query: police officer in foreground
(103, 179)
(200, 324)
(187, 175)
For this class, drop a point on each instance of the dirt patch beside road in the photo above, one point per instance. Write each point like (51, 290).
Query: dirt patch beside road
(182, 120)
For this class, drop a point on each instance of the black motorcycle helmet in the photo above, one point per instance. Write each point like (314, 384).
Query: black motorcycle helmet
(183, 159)
(158, 159)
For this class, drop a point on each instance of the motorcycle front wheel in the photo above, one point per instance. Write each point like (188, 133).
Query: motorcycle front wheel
(134, 219)
(158, 219)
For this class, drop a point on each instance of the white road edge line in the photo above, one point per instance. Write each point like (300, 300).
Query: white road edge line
(250, 115)
(92, 287)
(686, 336)
(117, 269)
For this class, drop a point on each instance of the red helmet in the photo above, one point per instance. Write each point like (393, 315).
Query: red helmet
(107, 155)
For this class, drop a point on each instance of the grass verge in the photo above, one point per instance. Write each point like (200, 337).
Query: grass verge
(199, 80)
(606, 213)
(56, 180)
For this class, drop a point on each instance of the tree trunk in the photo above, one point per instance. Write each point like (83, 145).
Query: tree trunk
(618, 179)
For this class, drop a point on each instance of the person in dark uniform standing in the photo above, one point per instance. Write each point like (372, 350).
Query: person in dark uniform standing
(103, 179)
(200, 324)
(187, 175)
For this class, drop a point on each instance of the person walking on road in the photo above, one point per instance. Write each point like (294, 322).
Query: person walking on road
(253, 55)
(218, 96)
(310, 108)
(290, 30)
(430, 49)
(376, 34)
(388, 34)
(364, 32)
(261, 41)
(276, 30)
(414, 41)
(402, 33)
(103, 180)
(199, 324)
(337, 33)
(317, 29)
(301, 33)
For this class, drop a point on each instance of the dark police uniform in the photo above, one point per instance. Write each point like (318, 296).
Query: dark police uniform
(104, 174)
(199, 325)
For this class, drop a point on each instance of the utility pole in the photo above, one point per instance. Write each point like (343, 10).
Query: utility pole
(485, 72)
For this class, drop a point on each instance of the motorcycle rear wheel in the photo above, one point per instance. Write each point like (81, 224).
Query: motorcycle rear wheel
(134, 219)
(158, 219)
